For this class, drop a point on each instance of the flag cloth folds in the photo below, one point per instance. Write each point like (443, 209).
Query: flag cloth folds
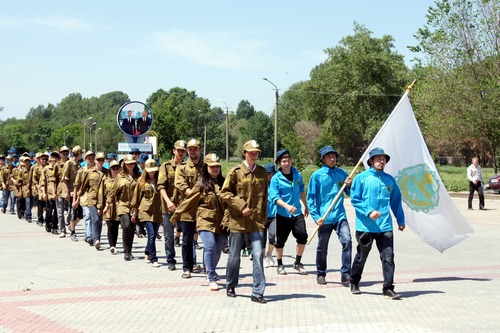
(429, 210)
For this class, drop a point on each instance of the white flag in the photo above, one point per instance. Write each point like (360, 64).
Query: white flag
(429, 210)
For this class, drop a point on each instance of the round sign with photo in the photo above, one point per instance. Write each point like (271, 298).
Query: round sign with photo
(134, 118)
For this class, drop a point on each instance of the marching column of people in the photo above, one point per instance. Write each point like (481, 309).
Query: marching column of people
(253, 205)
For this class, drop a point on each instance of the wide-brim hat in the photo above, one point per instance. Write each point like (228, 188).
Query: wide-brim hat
(327, 150)
(377, 151)
(270, 168)
(151, 166)
(55, 153)
(212, 160)
(114, 163)
(63, 148)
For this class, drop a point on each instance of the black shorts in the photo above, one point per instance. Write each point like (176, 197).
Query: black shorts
(77, 213)
(294, 224)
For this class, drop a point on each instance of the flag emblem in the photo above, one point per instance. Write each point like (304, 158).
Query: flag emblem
(419, 187)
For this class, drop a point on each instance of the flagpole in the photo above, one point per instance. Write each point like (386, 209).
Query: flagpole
(337, 197)
(341, 191)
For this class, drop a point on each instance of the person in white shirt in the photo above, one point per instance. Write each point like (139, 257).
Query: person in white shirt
(475, 177)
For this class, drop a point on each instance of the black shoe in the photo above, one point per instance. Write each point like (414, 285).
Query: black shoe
(171, 266)
(231, 293)
(258, 299)
(127, 256)
(345, 280)
(321, 279)
(355, 289)
(482, 208)
(389, 293)
(177, 242)
(225, 250)
(470, 208)
(3, 210)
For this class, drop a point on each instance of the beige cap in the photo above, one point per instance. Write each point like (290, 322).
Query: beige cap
(180, 144)
(194, 143)
(26, 154)
(38, 155)
(24, 158)
(77, 150)
(150, 165)
(114, 163)
(211, 160)
(63, 148)
(9, 157)
(88, 153)
(100, 156)
(251, 145)
(129, 159)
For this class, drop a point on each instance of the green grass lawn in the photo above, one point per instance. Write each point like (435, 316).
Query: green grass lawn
(454, 178)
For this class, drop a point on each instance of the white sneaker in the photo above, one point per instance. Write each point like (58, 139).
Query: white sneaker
(266, 262)
(156, 264)
(214, 286)
(112, 250)
(97, 245)
(62, 234)
(272, 263)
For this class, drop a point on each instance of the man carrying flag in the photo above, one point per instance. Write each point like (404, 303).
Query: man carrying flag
(374, 194)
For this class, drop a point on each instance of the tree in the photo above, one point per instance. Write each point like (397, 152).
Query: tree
(461, 41)
(245, 110)
(352, 93)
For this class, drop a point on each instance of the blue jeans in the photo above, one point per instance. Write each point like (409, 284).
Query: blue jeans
(95, 223)
(88, 223)
(27, 212)
(212, 248)
(168, 238)
(152, 231)
(344, 236)
(6, 195)
(60, 213)
(1, 199)
(385, 246)
(188, 251)
(236, 243)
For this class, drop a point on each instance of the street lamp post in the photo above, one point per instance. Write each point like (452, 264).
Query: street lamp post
(275, 117)
(97, 130)
(227, 130)
(90, 134)
(84, 129)
(204, 133)
(64, 135)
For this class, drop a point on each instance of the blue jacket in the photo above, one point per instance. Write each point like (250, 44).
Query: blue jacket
(376, 190)
(282, 188)
(323, 186)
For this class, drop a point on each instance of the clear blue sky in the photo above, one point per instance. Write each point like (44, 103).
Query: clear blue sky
(220, 49)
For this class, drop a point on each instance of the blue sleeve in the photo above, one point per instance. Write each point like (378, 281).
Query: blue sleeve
(274, 191)
(311, 198)
(396, 205)
(362, 207)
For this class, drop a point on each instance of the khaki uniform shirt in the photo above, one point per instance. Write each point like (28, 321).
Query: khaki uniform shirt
(121, 193)
(61, 189)
(14, 176)
(90, 181)
(210, 209)
(166, 181)
(147, 201)
(243, 188)
(35, 173)
(49, 180)
(6, 176)
(186, 176)
(70, 171)
(105, 189)
(24, 181)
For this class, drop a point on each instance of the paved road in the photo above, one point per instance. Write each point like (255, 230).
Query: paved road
(49, 284)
